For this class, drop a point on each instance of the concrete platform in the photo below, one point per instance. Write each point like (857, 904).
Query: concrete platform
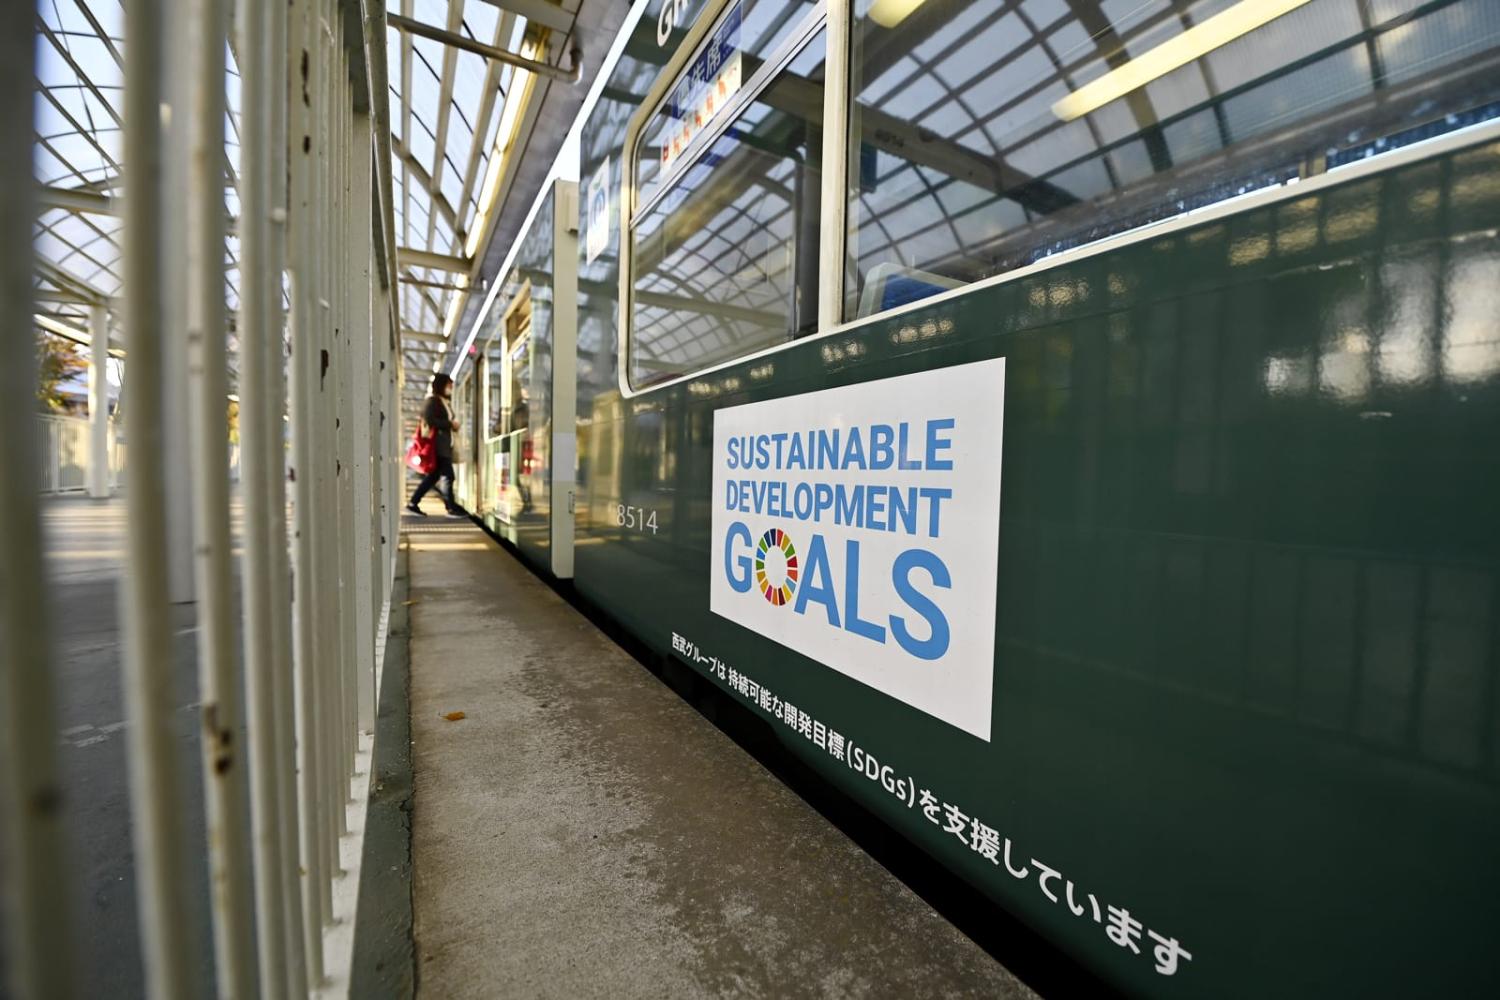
(583, 832)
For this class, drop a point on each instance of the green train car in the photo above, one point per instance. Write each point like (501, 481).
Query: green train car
(1075, 428)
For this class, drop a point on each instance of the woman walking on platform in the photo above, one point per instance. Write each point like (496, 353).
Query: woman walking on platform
(438, 422)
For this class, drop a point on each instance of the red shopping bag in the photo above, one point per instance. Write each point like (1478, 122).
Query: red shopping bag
(421, 454)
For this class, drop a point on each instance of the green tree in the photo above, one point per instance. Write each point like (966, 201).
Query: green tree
(58, 361)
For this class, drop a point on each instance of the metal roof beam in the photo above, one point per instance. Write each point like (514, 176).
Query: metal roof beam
(448, 38)
(73, 333)
(445, 109)
(75, 200)
(65, 296)
(69, 282)
(417, 169)
(86, 202)
(440, 285)
(412, 257)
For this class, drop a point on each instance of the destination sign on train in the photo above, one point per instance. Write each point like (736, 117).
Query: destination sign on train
(704, 90)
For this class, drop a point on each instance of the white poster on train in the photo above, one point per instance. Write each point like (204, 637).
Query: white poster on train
(596, 233)
(860, 527)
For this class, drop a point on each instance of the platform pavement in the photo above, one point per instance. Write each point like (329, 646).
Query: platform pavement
(582, 832)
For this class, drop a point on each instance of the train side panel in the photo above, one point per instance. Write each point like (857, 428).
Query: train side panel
(1246, 680)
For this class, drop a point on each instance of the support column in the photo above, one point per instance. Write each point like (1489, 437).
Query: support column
(98, 474)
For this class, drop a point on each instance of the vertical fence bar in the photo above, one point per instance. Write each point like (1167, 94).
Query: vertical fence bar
(317, 410)
(351, 341)
(388, 502)
(333, 697)
(327, 475)
(208, 436)
(364, 489)
(307, 630)
(379, 321)
(260, 309)
(373, 429)
(396, 430)
(347, 279)
(344, 423)
(289, 811)
(326, 577)
(338, 282)
(177, 85)
(37, 943)
(98, 474)
(154, 786)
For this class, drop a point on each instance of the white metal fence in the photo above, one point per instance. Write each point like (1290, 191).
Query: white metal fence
(63, 453)
(299, 668)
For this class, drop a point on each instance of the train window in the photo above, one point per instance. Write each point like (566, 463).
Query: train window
(724, 262)
(988, 134)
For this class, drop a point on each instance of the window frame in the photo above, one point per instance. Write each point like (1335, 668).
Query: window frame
(631, 209)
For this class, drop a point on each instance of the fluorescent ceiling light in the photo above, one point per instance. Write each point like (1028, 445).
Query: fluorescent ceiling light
(1199, 40)
(889, 13)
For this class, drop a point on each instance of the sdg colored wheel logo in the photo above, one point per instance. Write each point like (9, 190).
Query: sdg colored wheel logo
(775, 538)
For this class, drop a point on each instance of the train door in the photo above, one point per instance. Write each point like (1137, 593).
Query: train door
(463, 464)
(510, 367)
(491, 370)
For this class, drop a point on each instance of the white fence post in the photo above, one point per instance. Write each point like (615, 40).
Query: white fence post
(302, 249)
(156, 804)
(361, 400)
(224, 762)
(98, 467)
(274, 431)
(262, 467)
(37, 941)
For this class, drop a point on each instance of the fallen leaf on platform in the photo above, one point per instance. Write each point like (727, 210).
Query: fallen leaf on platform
(410, 603)
(454, 716)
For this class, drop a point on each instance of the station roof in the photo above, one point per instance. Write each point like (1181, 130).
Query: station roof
(449, 107)
(76, 159)
(472, 138)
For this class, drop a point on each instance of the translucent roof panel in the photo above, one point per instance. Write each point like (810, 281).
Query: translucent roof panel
(76, 155)
(446, 105)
